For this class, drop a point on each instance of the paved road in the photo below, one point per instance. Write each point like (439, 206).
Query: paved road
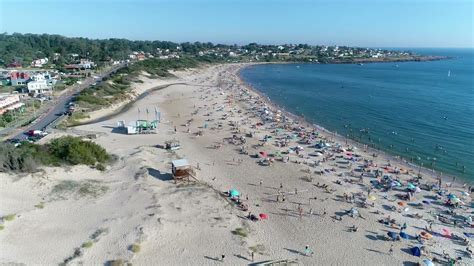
(60, 103)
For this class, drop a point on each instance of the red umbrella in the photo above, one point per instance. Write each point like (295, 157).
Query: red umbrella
(263, 154)
(263, 216)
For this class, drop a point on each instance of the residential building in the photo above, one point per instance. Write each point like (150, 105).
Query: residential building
(9, 102)
(39, 62)
(39, 84)
(19, 78)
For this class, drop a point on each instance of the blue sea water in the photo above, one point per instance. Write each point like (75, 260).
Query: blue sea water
(422, 111)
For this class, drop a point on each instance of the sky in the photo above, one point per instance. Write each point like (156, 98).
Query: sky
(364, 23)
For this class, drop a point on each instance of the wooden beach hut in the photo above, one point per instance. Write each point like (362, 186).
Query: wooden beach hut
(182, 170)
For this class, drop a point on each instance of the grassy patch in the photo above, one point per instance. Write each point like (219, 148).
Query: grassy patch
(2, 227)
(88, 188)
(135, 248)
(9, 217)
(87, 244)
(259, 248)
(92, 189)
(240, 232)
(39, 205)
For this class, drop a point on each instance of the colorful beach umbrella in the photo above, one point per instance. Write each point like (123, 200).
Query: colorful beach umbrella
(263, 216)
(446, 232)
(452, 196)
(372, 197)
(234, 193)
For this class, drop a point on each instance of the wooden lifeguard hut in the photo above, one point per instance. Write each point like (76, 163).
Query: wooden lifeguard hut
(182, 170)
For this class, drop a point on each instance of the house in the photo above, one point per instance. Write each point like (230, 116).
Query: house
(19, 78)
(9, 102)
(39, 84)
(39, 62)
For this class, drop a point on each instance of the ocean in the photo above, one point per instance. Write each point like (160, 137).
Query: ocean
(421, 111)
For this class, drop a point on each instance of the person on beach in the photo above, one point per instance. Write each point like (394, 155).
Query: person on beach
(390, 251)
(300, 210)
(253, 256)
(222, 257)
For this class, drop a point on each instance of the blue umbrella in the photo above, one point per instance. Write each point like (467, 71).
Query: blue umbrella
(234, 193)
(416, 251)
(392, 235)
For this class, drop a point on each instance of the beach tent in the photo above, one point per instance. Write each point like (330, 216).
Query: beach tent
(234, 193)
(416, 251)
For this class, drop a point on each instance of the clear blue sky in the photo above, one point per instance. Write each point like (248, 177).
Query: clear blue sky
(375, 23)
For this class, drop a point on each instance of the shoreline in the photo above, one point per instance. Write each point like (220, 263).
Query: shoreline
(391, 157)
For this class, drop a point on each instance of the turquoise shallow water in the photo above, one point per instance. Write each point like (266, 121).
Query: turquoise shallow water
(422, 111)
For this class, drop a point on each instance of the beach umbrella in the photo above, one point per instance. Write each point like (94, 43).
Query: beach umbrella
(446, 232)
(417, 190)
(426, 202)
(372, 197)
(395, 184)
(411, 186)
(428, 262)
(263, 216)
(402, 203)
(464, 193)
(263, 154)
(452, 196)
(426, 235)
(416, 251)
(393, 235)
(234, 193)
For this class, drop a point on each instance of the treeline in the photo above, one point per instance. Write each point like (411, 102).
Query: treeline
(24, 48)
(64, 150)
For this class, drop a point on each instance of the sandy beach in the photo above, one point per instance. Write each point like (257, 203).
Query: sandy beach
(317, 200)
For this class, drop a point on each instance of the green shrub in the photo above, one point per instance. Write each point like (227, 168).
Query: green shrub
(100, 167)
(68, 149)
(87, 244)
(2, 227)
(9, 217)
(39, 205)
(240, 232)
(135, 248)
